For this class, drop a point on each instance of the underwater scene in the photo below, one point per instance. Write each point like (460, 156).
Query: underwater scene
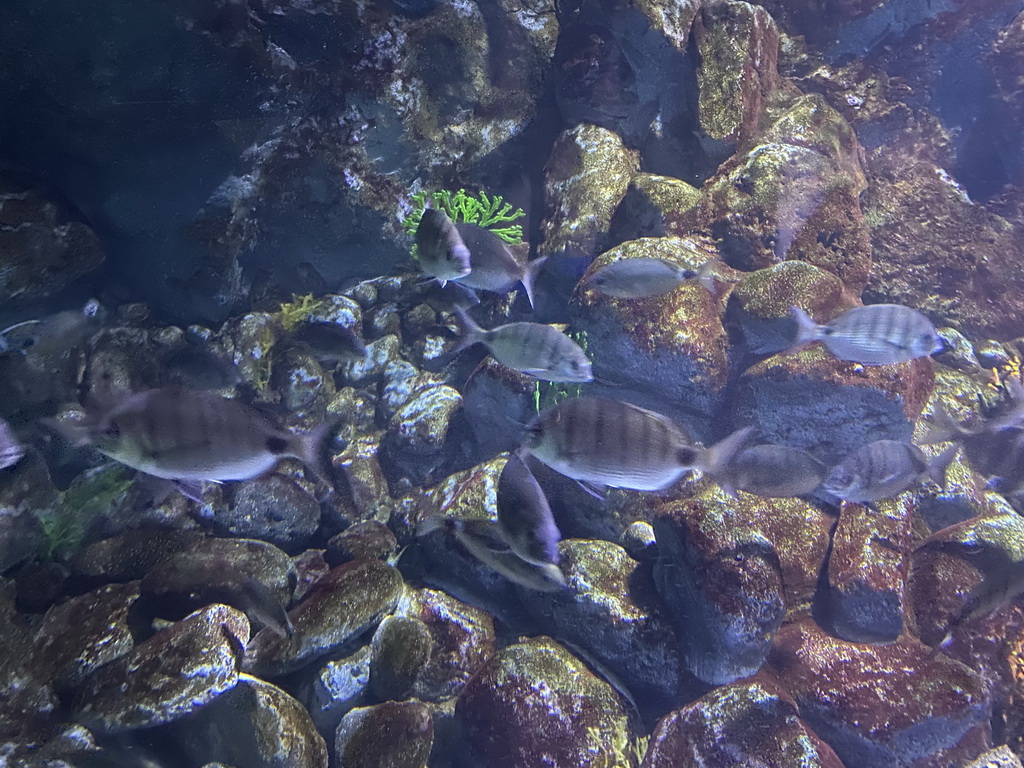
(512, 384)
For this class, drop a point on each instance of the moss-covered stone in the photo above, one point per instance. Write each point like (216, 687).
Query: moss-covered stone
(369, 539)
(655, 206)
(398, 734)
(400, 650)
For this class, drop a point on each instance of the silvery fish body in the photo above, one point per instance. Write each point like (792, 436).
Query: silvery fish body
(484, 540)
(883, 469)
(533, 348)
(878, 334)
(640, 278)
(11, 451)
(53, 335)
(493, 265)
(524, 515)
(606, 442)
(331, 342)
(442, 254)
(187, 435)
(772, 471)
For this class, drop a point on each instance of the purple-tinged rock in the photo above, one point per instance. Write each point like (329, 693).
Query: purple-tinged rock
(171, 675)
(534, 703)
(743, 724)
(400, 650)
(349, 600)
(335, 688)
(368, 489)
(26, 699)
(879, 706)
(867, 570)
(132, 555)
(396, 734)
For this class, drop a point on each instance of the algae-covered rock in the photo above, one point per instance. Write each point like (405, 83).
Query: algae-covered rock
(369, 539)
(301, 380)
(347, 601)
(612, 612)
(585, 179)
(398, 734)
(335, 688)
(367, 487)
(27, 701)
(253, 724)
(400, 650)
(655, 206)
(670, 349)
(752, 723)
(169, 676)
(275, 509)
(359, 371)
(420, 426)
(131, 555)
(537, 687)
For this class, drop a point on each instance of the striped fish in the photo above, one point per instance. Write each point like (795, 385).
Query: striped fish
(533, 348)
(772, 471)
(603, 442)
(640, 278)
(883, 469)
(878, 334)
(524, 515)
(186, 435)
(493, 265)
(440, 249)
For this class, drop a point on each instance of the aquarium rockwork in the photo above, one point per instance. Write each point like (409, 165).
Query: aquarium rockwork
(512, 384)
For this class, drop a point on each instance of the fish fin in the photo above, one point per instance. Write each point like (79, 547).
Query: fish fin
(555, 573)
(599, 492)
(311, 450)
(530, 276)
(714, 459)
(941, 428)
(807, 329)
(265, 606)
(937, 467)
(190, 489)
(706, 275)
(472, 332)
(430, 524)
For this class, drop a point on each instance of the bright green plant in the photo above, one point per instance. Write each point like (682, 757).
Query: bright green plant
(483, 210)
(64, 526)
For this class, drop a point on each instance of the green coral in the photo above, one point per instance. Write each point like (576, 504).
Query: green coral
(483, 210)
(64, 526)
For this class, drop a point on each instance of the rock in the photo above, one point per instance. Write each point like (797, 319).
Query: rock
(654, 206)
(400, 650)
(305, 388)
(359, 371)
(420, 426)
(738, 46)
(867, 570)
(612, 612)
(670, 349)
(398, 734)
(586, 177)
(100, 632)
(273, 508)
(496, 399)
(26, 494)
(368, 488)
(169, 676)
(27, 701)
(252, 339)
(366, 540)
(638, 540)
(43, 245)
(752, 723)
(131, 555)
(536, 687)
(253, 724)
(900, 704)
(346, 602)
(1000, 757)
(811, 400)
(335, 688)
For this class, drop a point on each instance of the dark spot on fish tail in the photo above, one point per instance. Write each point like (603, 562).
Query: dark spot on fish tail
(686, 456)
(277, 444)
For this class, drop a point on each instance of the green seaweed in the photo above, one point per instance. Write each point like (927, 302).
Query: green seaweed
(483, 210)
(64, 526)
(549, 393)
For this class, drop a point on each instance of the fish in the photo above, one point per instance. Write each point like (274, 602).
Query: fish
(493, 265)
(196, 366)
(484, 540)
(876, 334)
(11, 451)
(55, 334)
(640, 278)
(189, 436)
(442, 253)
(600, 442)
(532, 348)
(524, 515)
(258, 601)
(331, 342)
(883, 469)
(771, 471)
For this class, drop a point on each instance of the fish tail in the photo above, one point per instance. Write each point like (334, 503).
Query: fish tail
(941, 429)
(807, 329)
(530, 276)
(706, 275)
(937, 467)
(472, 332)
(718, 456)
(311, 449)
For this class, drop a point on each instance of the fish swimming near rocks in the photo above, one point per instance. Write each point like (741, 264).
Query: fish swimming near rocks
(771, 471)
(532, 348)
(331, 342)
(876, 334)
(11, 451)
(493, 266)
(640, 278)
(442, 253)
(524, 515)
(602, 442)
(55, 334)
(192, 436)
(884, 469)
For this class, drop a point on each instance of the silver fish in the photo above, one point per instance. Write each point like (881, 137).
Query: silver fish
(878, 334)
(331, 342)
(11, 451)
(640, 278)
(187, 435)
(883, 469)
(53, 335)
(533, 348)
(602, 442)
(524, 515)
(442, 254)
(493, 265)
(484, 540)
(772, 471)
